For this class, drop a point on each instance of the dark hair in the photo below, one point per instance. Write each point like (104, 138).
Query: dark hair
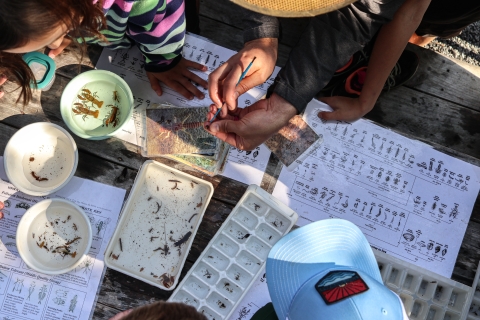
(25, 20)
(162, 310)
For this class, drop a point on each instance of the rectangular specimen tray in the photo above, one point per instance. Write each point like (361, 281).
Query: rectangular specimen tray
(236, 255)
(425, 295)
(158, 224)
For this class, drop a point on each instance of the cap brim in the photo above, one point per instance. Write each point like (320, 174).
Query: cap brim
(308, 250)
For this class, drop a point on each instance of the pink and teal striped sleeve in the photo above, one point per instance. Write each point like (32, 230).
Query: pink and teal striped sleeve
(156, 27)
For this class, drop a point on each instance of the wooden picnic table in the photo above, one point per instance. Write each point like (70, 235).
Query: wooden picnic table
(440, 106)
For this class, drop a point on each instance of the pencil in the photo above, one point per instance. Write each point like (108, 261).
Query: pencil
(244, 73)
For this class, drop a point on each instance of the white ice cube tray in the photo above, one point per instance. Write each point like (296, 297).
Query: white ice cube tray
(425, 295)
(474, 310)
(236, 255)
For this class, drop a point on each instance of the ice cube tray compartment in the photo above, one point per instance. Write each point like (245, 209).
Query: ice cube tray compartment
(236, 255)
(474, 309)
(425, 295)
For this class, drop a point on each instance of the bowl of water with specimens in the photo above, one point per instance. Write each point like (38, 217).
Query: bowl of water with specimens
(96, 104)
(40, 158)
(53, 236)
(158, 224)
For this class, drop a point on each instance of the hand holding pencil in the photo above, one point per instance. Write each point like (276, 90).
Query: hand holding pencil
(222, 83)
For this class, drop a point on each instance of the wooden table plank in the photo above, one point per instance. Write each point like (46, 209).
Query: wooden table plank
(446, 79)
(429, 118)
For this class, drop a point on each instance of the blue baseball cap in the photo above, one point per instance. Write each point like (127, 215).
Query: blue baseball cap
(327, 270)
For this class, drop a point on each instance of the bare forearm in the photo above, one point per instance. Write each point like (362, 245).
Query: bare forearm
(390, 43)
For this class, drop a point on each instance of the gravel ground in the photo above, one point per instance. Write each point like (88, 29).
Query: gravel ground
(465, 47)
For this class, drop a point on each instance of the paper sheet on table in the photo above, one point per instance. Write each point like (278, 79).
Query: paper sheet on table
(411, 201)
(28, 294)
(128, 64)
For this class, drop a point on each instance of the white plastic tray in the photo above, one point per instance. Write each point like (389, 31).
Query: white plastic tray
(425, 295)
(236, 255)
(474, 310)
(158, 224)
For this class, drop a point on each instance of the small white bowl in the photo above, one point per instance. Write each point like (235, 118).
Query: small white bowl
(40, 158)
(46, 228)
(96, 104)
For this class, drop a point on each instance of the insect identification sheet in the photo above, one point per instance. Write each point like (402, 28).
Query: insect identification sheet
(27, 294)
(129, 65)
(410, 201)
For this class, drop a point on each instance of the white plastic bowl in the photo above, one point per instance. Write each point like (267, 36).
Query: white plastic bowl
(40, 158)
(50, 224)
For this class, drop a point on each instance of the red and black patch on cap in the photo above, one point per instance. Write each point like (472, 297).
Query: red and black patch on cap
(339, 285)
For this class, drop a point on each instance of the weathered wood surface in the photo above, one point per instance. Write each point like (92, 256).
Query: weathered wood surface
(439, 106)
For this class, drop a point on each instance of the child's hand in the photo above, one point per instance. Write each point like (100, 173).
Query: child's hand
(57, 48)
(178, 78)
(3, 78)
(344, 109)
(1, 208)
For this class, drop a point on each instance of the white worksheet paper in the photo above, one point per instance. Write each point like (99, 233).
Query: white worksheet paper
(410, 201)
(129, 64)
(27, 294)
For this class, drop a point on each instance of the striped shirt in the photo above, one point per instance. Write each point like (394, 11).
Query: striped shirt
(157, 27)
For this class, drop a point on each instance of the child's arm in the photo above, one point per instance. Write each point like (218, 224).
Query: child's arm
(158, 29)
(390, 43)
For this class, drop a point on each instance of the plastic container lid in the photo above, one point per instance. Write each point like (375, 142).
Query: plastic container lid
(43, 68)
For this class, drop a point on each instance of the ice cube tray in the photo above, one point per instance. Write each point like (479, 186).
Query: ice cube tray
(474, 310)
(236, 255)
(158, 224)
(425, 295)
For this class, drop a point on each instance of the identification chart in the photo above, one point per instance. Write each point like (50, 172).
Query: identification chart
(27, 294)
(129, 64)
(410, 200)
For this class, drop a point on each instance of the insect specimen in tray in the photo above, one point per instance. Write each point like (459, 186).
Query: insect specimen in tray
(80, 109)
(42, 293)
(113, 117)
(87, 96)
(167, 280)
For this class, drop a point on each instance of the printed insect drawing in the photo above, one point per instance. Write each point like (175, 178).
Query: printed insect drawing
(86, 265)
(61, 295)
(42, 293)
(30, 290)
(73, 304)
(18, 285)
(102, 224)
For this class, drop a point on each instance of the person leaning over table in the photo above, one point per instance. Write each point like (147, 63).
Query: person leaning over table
(156, 27)
(328, 42)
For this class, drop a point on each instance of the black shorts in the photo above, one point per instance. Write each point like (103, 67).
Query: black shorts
(447, 18)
